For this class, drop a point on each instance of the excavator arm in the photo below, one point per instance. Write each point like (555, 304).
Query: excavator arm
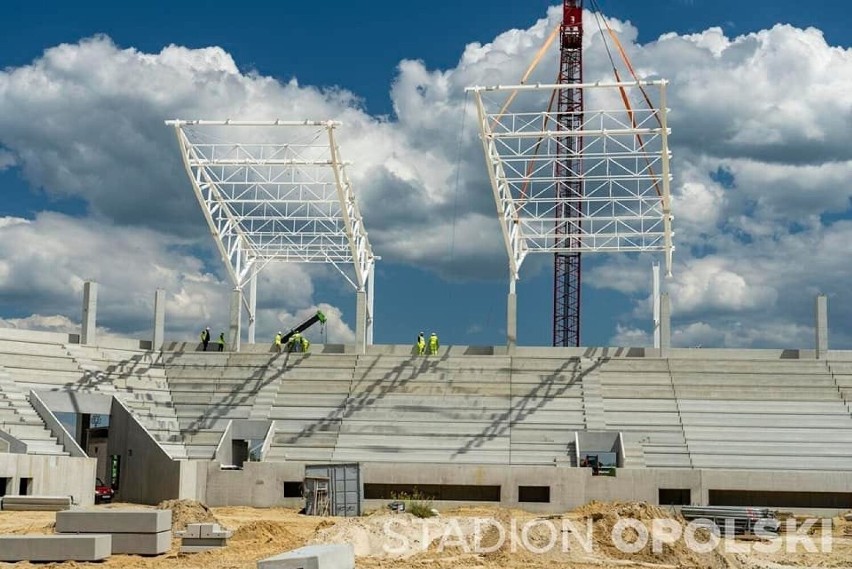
(318, 317)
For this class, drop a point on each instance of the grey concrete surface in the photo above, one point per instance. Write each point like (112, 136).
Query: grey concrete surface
(159, 319)
(88, 332)
(55, 547)
(35, 503)
(334, 556)
(142, 543)
(821, 327)
(114, 521)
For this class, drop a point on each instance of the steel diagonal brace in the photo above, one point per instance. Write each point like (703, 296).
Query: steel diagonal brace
(512, 236)
(201, 183)
(359, 245)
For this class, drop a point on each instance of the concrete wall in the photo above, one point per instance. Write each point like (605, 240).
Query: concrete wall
(52, 475)
(261, 484)
(148, 475)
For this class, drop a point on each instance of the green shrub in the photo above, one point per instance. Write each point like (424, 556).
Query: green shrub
(416, 504)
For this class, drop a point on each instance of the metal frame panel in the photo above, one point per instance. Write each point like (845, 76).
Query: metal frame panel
(276, 199)
(624, 159)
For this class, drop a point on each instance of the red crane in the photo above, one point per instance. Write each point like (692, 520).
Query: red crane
(569, 186)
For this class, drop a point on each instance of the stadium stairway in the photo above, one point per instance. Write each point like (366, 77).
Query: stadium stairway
(138, 379)
(639, 401)
(309, 405)
(548, 406)
(19, 419)
(206, 393)
(427, 409)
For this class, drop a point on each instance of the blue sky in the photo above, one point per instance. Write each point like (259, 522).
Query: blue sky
(720, 296)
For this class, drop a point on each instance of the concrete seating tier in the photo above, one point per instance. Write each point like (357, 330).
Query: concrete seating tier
(762, 414)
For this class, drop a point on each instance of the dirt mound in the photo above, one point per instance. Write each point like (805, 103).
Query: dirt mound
(618, 534)
(268, 532)
(187, 512)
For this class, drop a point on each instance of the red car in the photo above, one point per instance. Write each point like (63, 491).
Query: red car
(103, 493)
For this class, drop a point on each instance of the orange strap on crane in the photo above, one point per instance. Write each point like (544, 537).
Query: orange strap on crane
(528, 72)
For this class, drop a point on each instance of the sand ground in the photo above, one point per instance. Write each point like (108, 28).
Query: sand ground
(466, 537)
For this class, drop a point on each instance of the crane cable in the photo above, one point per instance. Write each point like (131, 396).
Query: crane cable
(625, 99)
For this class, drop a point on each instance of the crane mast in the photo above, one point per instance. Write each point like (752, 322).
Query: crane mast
(569, 185)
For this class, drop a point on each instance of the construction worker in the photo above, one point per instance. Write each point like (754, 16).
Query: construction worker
(221, 341)
(306, 344)
(296, 342)
(278, 337)
(433, 344)
(421, 344)
(205, 338)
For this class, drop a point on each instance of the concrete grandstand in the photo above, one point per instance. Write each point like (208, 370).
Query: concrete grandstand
(470, 424)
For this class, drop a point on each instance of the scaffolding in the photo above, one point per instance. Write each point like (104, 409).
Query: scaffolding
(278, 191)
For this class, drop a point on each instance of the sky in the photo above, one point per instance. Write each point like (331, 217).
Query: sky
(93, 187)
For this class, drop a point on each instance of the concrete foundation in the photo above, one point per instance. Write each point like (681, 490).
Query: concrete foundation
(55, 547)
(336, 556)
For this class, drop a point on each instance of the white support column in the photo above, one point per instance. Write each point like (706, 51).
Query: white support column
(88, 332)
(252, 305)
(821, 326)
(159, 319)
(236, 317)
(512, 317)
(370, 303)
(360, 321)
(655, 271)
(665, 325)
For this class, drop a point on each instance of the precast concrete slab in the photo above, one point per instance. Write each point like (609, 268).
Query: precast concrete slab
(114, 521)
(332, 556)
(142, 543)
(36, 503)
(94, 547)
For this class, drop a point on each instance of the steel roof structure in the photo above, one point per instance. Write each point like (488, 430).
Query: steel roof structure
(278, 191)
(619, 156)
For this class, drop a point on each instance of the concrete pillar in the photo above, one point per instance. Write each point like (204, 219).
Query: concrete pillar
(665, 325)
(821, 326)
(371, 296)
(88, 334)
(360, 321)
(159, 319)
(655, 274)
(252, 300)
(511, 321)
(236, 314)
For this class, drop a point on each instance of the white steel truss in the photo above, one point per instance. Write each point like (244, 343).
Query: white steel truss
(281, 196)
(620, 157)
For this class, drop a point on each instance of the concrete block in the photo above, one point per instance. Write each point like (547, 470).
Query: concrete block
(206, 541)
(142, 543)
(114, 521)
(334, 556)
(213, 530)
(191, 531)
(36, 503)
(55, 547)
(198, 548)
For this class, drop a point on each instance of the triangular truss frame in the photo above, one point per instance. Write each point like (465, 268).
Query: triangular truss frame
(625, 205)
(278, 201)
